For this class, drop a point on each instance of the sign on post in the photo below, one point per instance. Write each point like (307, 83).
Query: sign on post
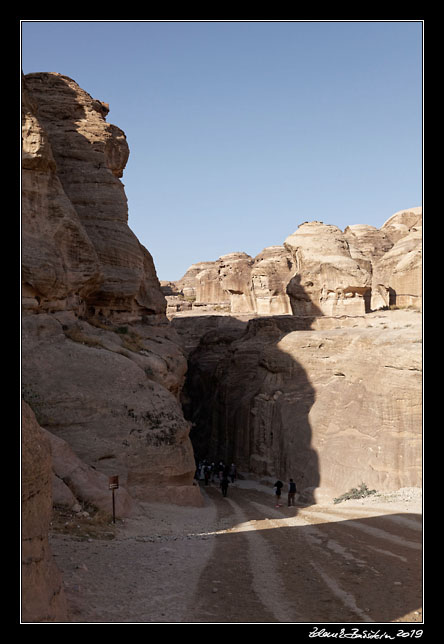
(113, 485)
(113, 482)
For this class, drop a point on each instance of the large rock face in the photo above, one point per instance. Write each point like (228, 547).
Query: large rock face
(319, 270)
(102, 368)
(397, 274)
(328, 390)
(330, 407)
(43, 597)
(235, 283)
(327, 276)
(77, 243)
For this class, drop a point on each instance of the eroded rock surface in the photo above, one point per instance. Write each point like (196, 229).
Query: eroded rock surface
(331, 403)
(102, 367)
(94, 253)
(299, 374)
(319, 270)
(43, 597)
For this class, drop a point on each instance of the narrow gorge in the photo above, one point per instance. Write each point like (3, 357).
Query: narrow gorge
(302, 362)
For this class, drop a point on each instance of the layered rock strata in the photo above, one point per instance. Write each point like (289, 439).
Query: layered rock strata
(102, 368)
(397, 274)
(327, 276)
(78, 250)
(330, 407)
(318, 268)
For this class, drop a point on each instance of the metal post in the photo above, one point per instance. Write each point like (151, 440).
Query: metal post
(113, 484)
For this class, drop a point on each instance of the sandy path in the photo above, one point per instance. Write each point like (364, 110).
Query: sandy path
(241, 560)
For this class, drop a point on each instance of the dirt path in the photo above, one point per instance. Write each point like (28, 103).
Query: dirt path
(242, 560)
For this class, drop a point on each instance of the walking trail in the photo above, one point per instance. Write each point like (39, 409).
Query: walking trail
(240, 559)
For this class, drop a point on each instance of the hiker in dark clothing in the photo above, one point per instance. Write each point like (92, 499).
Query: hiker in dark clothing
(278, 485)
(224, 484)
(291, 492)
(232, 472)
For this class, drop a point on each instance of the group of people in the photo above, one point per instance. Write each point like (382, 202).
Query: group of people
(291, 492)
(221, 474)
(211, 472)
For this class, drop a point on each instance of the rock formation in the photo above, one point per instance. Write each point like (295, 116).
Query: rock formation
(298, 375)
(397, 274)
(318, 267)
(330, 402)
(78, 251)
(43, 598)
(235, 283)
(102, 368)
(318, 374)
(327, 276)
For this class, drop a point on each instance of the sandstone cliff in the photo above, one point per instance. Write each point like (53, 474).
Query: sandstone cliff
(299, 375)
(318, 268)
(43, 598)
(331, 402)
(310, 363)
(78, 250)
(101, 366)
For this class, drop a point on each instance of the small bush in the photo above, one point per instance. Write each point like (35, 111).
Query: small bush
(90, 523)
(355, 493)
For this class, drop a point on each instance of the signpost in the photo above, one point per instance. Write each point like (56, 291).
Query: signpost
(113, 485)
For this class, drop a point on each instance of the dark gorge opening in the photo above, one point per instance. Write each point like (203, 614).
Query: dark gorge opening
(247, 400)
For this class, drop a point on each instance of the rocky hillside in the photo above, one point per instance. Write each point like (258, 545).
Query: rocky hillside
(101, 366)
(330, 402)
(319, 270)
(304, 361)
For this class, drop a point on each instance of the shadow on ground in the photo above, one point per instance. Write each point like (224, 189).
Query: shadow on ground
(266, 570)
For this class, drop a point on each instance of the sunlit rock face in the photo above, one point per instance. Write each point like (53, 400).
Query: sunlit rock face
(397, 274)
(327, 276)
(102, 367)
(319, 270)
(330, 405)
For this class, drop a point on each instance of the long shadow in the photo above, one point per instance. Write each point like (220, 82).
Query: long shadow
(247, 400)
(359, 570)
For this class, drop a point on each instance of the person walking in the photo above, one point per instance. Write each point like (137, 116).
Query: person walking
(278, 485)
(233, 472)
(224, 484)
(291, 492)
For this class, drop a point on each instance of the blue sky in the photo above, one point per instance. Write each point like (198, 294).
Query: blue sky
(240, 131)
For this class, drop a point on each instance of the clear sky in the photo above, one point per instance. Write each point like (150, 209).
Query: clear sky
(240, 131)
